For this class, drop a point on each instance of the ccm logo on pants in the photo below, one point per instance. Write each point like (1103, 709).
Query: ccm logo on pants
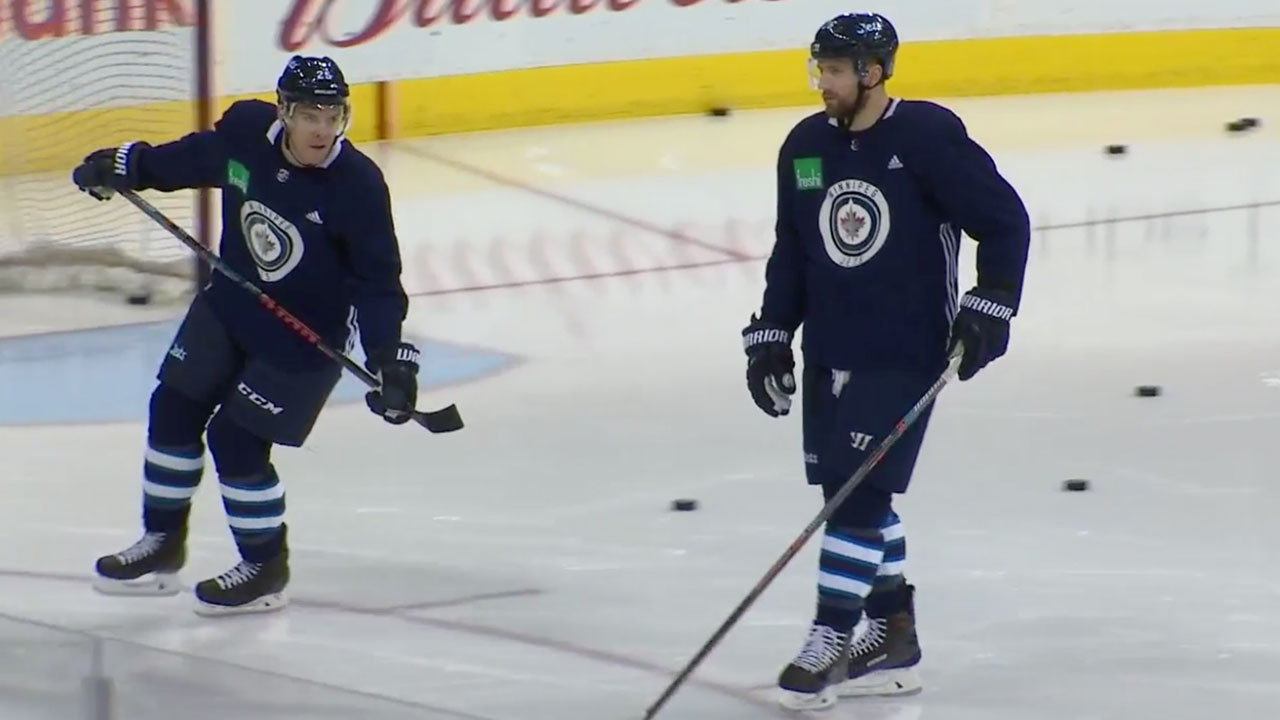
(258, 400)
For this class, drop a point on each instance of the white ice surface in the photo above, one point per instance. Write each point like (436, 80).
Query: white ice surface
(528, 568)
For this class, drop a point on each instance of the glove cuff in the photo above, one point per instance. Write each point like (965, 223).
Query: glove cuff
(993, 303)
(758, 333)
(125, 163)
(403, 353)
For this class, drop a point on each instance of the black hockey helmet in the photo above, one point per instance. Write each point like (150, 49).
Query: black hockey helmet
(861, 37)
(314, 81)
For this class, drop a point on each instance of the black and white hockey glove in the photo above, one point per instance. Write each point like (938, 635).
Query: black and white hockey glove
(982, 325)
(770, 366)
(397, 367)
(105, 171)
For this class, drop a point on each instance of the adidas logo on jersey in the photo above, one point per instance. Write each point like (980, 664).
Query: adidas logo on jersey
(895, 163)
(314, 216)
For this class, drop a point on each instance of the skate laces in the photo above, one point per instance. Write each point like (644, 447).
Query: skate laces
(874, 632)
(242, 573)
(821, 649)
(149, 543)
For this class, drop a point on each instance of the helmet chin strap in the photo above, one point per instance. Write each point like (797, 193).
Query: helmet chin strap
(846, 119)
(288, 151)
(864, 94)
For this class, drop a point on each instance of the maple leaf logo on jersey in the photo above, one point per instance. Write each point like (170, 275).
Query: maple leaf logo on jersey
(274, 243)
(854, 222)
(851, 221)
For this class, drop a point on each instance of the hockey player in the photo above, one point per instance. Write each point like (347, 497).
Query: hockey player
(872, 196)
(309, 216)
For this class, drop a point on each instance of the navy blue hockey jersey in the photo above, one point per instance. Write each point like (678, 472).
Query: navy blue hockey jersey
(320, 241)
(868, 236)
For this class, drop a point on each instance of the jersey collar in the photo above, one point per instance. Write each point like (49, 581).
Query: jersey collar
(889, 110)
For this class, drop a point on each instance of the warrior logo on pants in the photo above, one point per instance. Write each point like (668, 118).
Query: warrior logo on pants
(274, 242)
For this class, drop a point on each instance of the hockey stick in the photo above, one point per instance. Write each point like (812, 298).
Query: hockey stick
(437, 421)
(953, 367)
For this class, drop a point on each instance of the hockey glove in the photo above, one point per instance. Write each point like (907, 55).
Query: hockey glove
(105, 171)
(397, 367)
(770, 366)
(982, 325)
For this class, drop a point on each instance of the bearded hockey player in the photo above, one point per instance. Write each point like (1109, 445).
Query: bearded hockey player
(873, 194)
(309, 216)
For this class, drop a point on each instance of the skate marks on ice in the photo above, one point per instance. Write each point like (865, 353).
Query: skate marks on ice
(44, 667)
(600, 210)
(407, 613)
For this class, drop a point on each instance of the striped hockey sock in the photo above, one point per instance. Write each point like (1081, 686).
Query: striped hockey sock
(255, 511)
(170, 476)
(895, 550)
(846, 574)
(886, 595)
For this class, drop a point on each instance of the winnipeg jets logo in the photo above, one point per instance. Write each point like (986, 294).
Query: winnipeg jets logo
(854, 222)
(274, 242)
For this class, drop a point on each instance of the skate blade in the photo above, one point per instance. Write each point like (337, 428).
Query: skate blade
(883, 683)
(264, 604)
(799, 701)
(153, 585)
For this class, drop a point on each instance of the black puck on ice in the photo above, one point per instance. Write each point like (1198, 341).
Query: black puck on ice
(139, 298)
(1075, 485)
(718, 111)
(1117, 149)
(1147, 391)
(1242, 124)
(684, 505)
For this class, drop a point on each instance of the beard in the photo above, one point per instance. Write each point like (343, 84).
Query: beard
(842, 108)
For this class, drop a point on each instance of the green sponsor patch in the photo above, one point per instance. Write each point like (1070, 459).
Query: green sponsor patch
(808, 173)
(238, 175)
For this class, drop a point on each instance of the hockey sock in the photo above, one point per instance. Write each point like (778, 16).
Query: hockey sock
(255, 512)
(886, 593)
(846, 573)
(251, 491)
(174, 459)
(895, 553)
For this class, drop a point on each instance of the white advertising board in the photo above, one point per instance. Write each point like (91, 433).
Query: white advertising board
(396, 39)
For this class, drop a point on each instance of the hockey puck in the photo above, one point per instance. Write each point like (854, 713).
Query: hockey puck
(1075, 485)
(1117, 149)
(1242, 124)
(684, 505)
(1147, 391)
(139, 298)
(718, 111)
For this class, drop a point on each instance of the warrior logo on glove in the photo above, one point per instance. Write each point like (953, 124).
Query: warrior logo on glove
(398, 369)
(770, 367)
